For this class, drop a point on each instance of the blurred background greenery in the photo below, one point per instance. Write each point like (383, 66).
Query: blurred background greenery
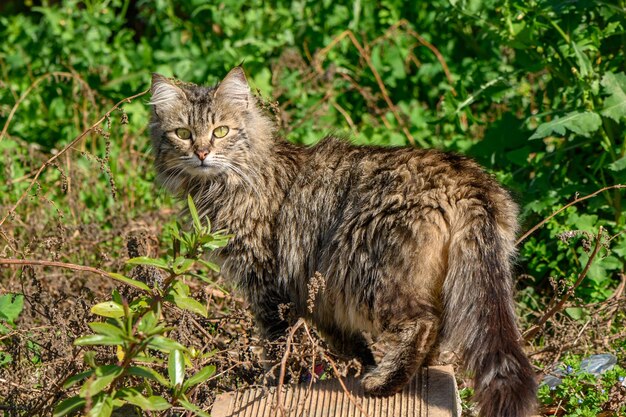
(534, 90)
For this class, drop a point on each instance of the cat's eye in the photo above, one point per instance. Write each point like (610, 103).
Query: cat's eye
(220, 132)
(183, 133)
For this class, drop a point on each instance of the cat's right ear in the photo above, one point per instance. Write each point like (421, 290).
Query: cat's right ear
(234, 86)
(164, 92)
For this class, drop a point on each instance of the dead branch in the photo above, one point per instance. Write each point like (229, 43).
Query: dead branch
(283, 365)
(576, 201)
(31, 87)
(74, 267)
(557, 306)
(65, 149)
(343, 386)
(368, 59)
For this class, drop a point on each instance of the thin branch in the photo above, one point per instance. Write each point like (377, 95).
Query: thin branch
(576, 201)
(65, 149)
(343, 386)
(407, 26)
(368, 59)
(283, 365)
(74, 267)
(559, 305)
(30, 88)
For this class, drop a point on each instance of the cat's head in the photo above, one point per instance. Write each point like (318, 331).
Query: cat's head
(200, 133)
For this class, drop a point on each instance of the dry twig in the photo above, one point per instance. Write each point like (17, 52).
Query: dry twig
(576, 201)
(557, 306)
(65, 149)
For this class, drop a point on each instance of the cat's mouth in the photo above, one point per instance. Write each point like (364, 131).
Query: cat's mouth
(205, 168)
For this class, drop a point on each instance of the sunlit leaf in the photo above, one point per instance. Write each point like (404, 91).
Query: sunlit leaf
(144, 260)
(148, 373)
(176, 367)
(164, 344)
(201, 376)
(614, 105)
(108, 309)
(135, 397)
(129, 281)
(581, 123)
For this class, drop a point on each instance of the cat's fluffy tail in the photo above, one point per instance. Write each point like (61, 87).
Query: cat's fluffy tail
(480, 320)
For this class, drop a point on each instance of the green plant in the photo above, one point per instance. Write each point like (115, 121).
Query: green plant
(582, 394)
(11, 306)
(138, 330)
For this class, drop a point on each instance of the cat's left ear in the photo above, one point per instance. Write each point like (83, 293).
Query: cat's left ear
(234, 86)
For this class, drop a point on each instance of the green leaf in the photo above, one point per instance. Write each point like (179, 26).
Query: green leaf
(618, 165)
(135, 397)
(144, 260)
(89, 357)
(583, 60)
(11, 306)
(147, 323)
(575, 312)
(148, 373)
(108, 309)
(69, 405)
(188, 303)
(182, 265)
(107, 329)
(193, 408)
(103, 407)
(104, 376)
(97, 339)
(201, 376)
(581, 123)
(5, 358)
(194, 213)
(210, 265)
(129, 281)
(69, 382)
(176, 368)
(615, 86)
(164, 344)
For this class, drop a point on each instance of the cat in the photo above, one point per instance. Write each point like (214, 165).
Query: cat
(415, 245)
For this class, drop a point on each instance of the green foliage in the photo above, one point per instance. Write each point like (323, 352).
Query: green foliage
(11, 306)
(533, 90)
(137, 327)
(582, 394)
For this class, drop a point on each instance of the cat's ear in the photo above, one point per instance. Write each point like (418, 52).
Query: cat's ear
(164, 92)
(234, 86)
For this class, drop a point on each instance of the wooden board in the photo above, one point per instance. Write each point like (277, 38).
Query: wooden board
(432, 393)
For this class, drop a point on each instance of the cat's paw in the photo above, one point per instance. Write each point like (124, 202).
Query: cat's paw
(380, 384)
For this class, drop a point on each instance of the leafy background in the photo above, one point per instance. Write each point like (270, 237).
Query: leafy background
(534, 90)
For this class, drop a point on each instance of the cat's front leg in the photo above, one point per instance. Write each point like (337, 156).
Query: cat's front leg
(268, 306)
(348, 344)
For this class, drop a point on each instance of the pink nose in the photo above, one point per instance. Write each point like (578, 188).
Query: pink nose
(202, 154)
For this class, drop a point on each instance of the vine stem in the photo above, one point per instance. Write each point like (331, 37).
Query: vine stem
(65, 149)
(576, 201)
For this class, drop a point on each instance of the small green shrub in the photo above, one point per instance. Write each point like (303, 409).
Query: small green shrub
(136, 327)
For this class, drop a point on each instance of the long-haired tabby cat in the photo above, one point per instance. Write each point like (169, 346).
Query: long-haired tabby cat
(415, 245)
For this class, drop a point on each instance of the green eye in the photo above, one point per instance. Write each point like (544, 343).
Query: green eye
(220, 132)
(183, 133)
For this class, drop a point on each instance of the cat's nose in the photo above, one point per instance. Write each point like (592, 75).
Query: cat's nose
(202, 154)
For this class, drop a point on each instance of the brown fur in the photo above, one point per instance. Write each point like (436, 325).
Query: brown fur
(415, 245)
